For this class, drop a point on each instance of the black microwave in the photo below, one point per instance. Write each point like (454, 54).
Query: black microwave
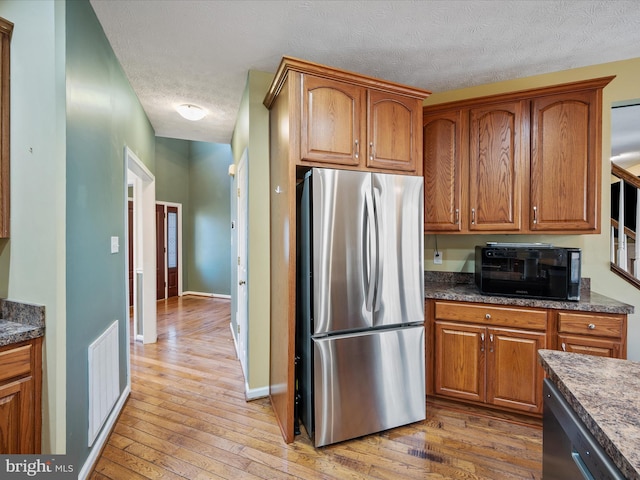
(528, 270)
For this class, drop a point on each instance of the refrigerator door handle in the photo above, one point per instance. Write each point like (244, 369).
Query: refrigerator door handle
(377, 209)
(372, 250)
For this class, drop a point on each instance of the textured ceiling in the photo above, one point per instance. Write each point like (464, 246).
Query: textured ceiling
(200, 51)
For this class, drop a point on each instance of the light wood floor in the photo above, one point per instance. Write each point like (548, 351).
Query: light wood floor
(187, 418)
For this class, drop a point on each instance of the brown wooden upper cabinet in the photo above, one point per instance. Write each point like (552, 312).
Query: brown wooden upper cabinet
(6, 28)
(566, 161)
(353, 122)
(521, 162)
(496, 165)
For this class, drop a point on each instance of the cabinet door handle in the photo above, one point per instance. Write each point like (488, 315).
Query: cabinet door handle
(564, 347)
(591, 326)
(491, 342)
(482, 342)
(357, 153)
(371, 151)
(473, 216)
(457, 216)
(535, 214)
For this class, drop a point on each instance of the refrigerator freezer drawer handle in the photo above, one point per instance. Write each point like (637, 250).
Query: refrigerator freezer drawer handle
(372, 246)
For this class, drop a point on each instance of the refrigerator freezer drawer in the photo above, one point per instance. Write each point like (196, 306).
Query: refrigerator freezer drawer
(368, 382)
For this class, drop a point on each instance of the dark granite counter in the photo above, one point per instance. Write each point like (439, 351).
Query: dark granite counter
(461, 287)
(20, 321)
(605, 394)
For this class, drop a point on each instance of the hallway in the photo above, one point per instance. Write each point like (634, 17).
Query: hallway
(187, 418)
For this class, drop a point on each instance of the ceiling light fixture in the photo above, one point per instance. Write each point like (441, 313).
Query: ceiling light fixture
(191, 112)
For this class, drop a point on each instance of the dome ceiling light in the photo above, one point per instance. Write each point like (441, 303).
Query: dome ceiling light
(191, 112)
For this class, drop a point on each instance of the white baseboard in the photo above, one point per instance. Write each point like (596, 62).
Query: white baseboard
(255, 393)
(249, 393)
(100, 442)
(235, 343)
(205, 294)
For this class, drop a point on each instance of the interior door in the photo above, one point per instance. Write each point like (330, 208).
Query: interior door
(242, 303)
(160, 253)
(172, 252)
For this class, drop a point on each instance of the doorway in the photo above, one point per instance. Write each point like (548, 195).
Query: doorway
(141, 240)
(168, 250)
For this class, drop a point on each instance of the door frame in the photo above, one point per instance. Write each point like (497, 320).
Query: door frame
(144, 247)
(166, 267)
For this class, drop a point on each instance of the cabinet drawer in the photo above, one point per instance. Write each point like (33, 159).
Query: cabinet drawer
(590, 324)
(491, 315)
(15, 362)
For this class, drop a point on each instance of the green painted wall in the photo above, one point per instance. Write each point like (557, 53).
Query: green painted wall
(172, 170)
(32, 261)
(209, 221)
(103, 115)
(458, 250)
(172, 185)
(252, 133)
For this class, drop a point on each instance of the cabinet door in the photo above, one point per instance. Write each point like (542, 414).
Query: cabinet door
(333, 121)
(497, 151)
(514, 377)
(17, 420)
(602, 347)
(459, 361)
(393, 133)
(566, 162)
(442, 170)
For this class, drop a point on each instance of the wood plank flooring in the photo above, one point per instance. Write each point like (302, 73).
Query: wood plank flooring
(187, 418)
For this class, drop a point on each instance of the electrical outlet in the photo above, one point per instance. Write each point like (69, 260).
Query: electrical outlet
(437, 257)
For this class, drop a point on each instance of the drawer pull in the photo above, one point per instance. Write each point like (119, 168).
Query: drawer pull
(488, 316)
(591, 326)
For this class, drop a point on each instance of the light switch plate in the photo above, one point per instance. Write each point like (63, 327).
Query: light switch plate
(115, 244)
(437, 258)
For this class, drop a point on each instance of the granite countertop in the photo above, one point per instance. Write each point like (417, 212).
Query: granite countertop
(20, 321)
(605, 394)
(461, 287)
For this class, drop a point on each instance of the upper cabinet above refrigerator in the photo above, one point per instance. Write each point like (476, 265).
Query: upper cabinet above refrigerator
(351, 121)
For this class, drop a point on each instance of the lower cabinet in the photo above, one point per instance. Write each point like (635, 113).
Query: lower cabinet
(515, 375)
(20, 397)
(487, 363)
(599, 334)
(488, 354)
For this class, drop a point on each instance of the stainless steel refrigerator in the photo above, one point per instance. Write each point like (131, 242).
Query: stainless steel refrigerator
(360, 316)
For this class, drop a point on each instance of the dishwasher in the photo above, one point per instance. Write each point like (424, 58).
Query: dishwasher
(569, 450)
